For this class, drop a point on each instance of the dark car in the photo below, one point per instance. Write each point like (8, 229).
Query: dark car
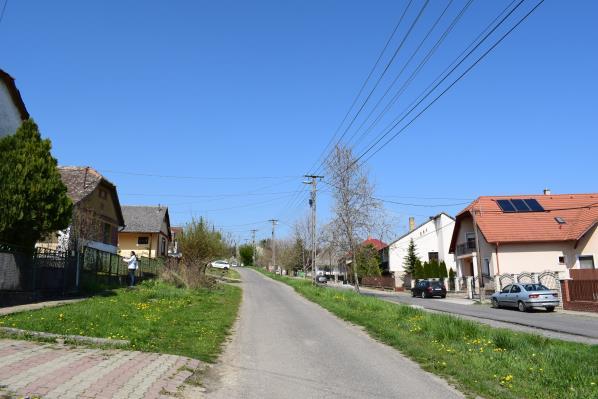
(429, 289)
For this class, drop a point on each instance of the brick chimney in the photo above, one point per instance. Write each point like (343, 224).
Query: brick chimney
(411, 223)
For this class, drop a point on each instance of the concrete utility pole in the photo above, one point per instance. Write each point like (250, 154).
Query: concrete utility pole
(312, 203)
(253, 240)
(274, 221)
(478, 257)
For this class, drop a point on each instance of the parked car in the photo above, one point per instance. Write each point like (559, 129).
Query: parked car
(525, 297)
(321, 279)
(220, 264)
(429, 289)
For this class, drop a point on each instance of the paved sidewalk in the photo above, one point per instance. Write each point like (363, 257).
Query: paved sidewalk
(61, 372)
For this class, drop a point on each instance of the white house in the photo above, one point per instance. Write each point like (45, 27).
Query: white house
(432, 240)
(12, 108)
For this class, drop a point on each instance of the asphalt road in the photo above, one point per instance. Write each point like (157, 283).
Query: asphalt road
(287, 347)
(572, 327)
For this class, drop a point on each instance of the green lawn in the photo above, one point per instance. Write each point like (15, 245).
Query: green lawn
(478, 359)
(155, 317)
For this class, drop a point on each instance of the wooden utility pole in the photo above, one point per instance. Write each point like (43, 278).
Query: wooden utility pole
(312, 203)
(253, 244)
(274, 221)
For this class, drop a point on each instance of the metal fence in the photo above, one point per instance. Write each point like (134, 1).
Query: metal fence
(31, 275)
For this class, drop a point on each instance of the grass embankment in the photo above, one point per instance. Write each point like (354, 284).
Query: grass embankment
(230, 273)
(478, 359)
(155, 317)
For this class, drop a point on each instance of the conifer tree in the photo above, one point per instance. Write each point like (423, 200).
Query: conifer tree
(34, 199)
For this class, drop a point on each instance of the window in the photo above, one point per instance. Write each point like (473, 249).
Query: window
(163, 246)
(107, 234)
(432, 256)
(561, 260)
(142, 240)
(506, 289)
(470, 237)
(103, 194)
(560, 220)
(486, 267)
(515, 289)
(586, 261)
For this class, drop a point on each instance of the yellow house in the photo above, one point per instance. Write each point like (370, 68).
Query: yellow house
(146, 231)
(97, 212)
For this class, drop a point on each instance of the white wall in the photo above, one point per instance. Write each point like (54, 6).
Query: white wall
(10, 118)
(432, 236)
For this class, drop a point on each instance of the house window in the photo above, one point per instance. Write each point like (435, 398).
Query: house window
(103, 194)
(486, 267)
(163, 247)
(561, 260)
(142, 240)
(586, 261)
(432, 256)
(470, 238)
(106, 233)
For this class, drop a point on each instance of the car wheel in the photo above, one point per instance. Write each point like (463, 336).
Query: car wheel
(495, 303)
(550, 308)
(423, 295)
(443, 296)
(412, 294)
(521, 306)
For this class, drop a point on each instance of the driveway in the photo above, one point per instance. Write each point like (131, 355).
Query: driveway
(287, 347)
(562, 325)
(61, 372)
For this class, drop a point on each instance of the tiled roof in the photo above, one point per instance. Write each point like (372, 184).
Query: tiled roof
(375, 242)
(81, 181)
(579, 211)
(14, 94)
(144, 219)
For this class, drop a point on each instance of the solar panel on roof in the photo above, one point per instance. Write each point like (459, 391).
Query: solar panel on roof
(534, 205)
(506, 206)
(520, 205)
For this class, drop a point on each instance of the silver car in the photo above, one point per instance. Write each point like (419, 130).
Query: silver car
(526, 296)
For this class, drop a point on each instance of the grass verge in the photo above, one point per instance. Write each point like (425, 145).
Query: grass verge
(478, 359)
(155, 317)
(230, 273)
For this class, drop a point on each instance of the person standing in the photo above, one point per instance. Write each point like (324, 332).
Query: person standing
(132, 266)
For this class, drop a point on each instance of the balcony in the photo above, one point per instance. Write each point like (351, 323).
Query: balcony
(466, 248)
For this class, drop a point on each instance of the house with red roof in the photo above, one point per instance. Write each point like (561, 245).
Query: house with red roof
(526, 234)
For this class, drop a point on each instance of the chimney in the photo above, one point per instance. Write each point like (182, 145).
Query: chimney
(411, 223)
(546, 191)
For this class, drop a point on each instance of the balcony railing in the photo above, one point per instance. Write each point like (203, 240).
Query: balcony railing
(466, 248)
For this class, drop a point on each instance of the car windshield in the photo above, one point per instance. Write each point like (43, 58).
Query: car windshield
(535, 287)
(436, 284)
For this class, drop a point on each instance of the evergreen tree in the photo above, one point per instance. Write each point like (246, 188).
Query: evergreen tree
(443, 271)
(368, 261)
(418, 270)
(427, 270)
(411, 258)
(246, 254)
(434, 269)
(34, 199)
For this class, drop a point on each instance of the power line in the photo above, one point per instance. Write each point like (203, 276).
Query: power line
(364, 84)
(413, 75)
(451, 85)
(201, 177)
(3, 10)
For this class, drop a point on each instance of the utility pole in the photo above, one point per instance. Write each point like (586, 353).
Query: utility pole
(478, 257)
(274, 221)
(312, 203)
(253, 253)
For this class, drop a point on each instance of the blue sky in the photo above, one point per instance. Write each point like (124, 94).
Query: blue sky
(257, 89)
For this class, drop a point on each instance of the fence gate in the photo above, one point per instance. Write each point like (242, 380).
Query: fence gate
(550, 280)
(505, 279)
(525, 278)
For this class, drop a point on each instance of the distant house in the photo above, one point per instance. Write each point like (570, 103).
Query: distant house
(527, 234)
(147, 231)
(431, 238)
(12, 107)
(97, 214)
(379, 246)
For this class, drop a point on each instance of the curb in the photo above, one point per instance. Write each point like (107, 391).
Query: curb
(60, 338)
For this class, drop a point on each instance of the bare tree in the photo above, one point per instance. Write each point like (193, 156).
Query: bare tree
(355, 207)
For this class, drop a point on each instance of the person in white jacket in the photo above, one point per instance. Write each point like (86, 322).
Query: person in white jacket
(132, 266)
